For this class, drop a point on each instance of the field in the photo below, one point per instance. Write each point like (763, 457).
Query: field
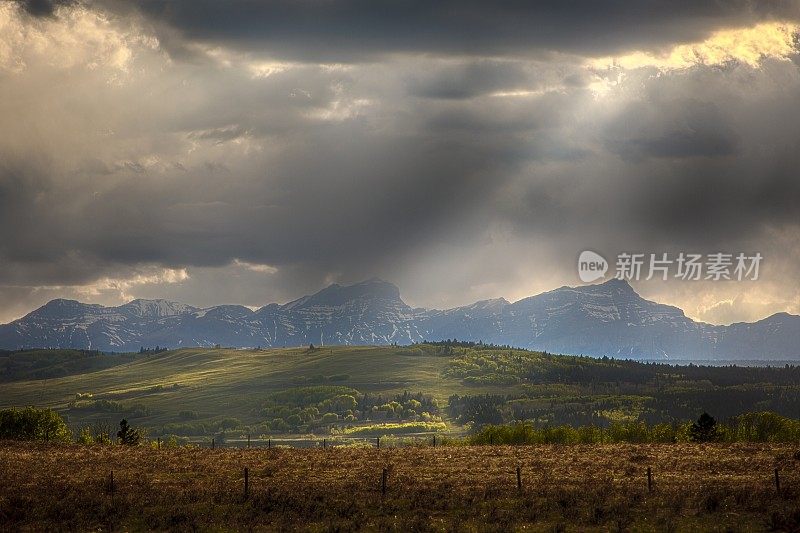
(218, 383)
(352, 395)
(695, 487)
(440, 388)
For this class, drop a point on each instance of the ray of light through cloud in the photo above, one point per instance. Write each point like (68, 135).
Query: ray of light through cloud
(145, 152)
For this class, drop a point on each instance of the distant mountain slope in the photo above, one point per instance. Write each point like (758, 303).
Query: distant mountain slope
(605, 319)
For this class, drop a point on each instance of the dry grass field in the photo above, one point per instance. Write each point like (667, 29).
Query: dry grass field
(594, 487)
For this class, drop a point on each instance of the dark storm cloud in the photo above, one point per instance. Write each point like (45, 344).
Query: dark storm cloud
(702, 159)
(43, 8)
(340, 194)
(346, 30)
(728, 174)
(340, 198)
(455, 169)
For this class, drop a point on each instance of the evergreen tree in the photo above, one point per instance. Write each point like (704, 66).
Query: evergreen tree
(705, 429)
(127, 435)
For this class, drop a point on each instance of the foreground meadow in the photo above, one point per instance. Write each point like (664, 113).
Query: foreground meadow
(592, 487)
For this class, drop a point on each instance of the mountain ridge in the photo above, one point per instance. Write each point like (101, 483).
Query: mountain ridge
(604, 319)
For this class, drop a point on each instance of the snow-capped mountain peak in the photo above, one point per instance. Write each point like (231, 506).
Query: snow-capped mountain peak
(156, 308)
(608, 318)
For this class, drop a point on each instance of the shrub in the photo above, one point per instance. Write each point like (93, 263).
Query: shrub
(329, 418)
(102, 433)
(764, 427)
(169, 441)
(85, 436)
(343, 402)
(31, 423)
(229, 423)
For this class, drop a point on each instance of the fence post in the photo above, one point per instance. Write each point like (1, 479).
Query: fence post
(777, 481)
(159, 443)
(269, 443)
(246, 483)
(649, 480)
(212, 444)
(519, 479)
(377, 442)
(324, 443)
(434, 441)
(383, 481)
(491, 440)
(248, 440)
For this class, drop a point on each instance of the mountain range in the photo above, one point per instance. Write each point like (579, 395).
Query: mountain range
(607, 319)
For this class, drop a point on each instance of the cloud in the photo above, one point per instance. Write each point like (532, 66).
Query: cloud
(672, 129)
(469, 79)
(77, 38)
(355, 30)
(254, 267)
(260, 159)
(106, 290)
(749, 45)
(43, 8)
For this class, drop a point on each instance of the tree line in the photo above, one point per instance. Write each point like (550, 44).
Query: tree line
(748, 427)
(33, 424)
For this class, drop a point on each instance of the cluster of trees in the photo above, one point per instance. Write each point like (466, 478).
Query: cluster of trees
(401, 407)
(727, 401)
(480, 345)
(749, 427)
(588, 391)
(487, 364)
(85, 402)
(485, 409)
(217, 427)
(47, 364)
(495, 367)
(101, 434)
(480, 409)
(157, 349)
(319, 408)
(34, 424)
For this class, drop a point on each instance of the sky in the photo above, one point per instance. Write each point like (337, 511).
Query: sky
(253, 152)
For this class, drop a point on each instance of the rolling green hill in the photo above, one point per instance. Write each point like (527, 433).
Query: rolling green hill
(216, 383)
(368, 390)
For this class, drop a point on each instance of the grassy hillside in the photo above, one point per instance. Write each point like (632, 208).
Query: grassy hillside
(216, 383)
(375, 390)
